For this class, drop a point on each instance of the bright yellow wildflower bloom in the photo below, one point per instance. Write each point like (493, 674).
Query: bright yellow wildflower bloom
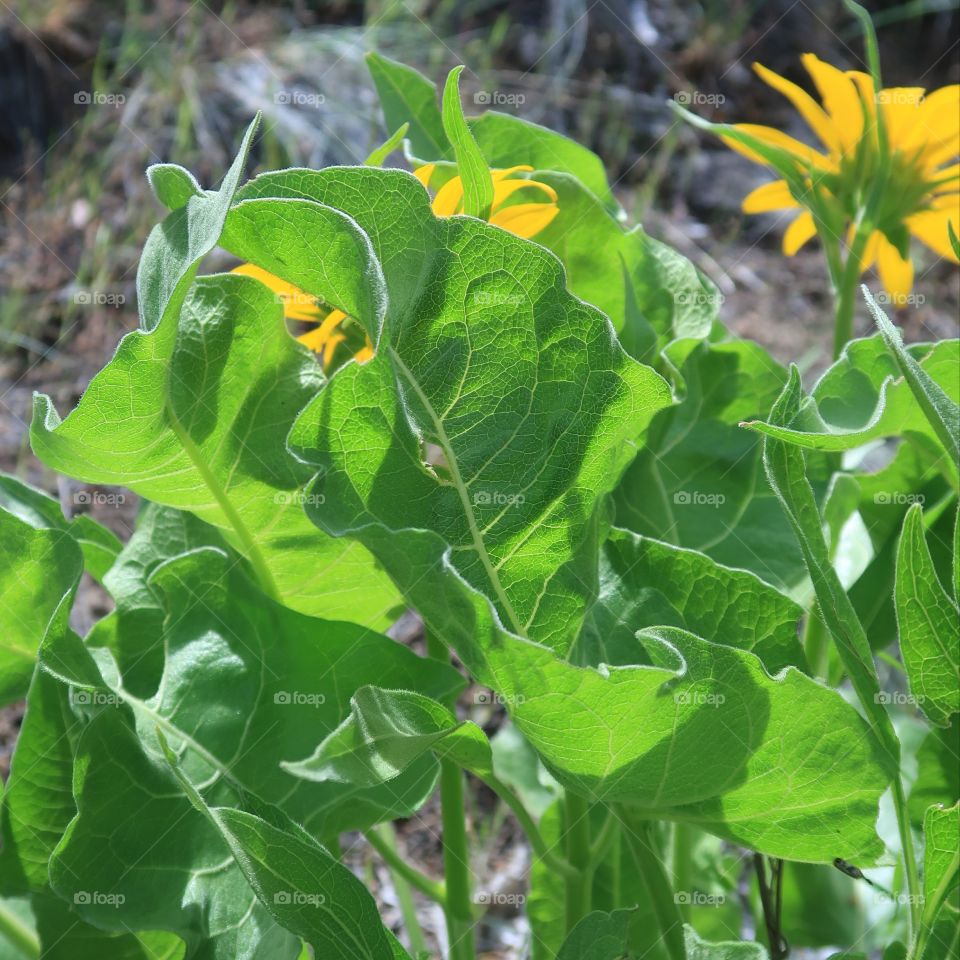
(523, 219)
(922, 193)
(328, 333)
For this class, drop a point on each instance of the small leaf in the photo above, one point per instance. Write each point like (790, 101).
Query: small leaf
(386, 732)
(408, 97)
(927, 619)
(100, 546)
(598, 936)
(785, 468)
(473, 169)
(698, 949)
(941, 412)
(376, 157)
(173, 185)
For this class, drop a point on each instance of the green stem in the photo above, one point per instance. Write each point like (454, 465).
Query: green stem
(659, 892)
(577, 833)
(909, 855)
(458, 906)
(816, 643)
(14, 930)
(682, 856)
(529, 826)
(846, 293)
(382, 840)
(456, 862)
(385, 834)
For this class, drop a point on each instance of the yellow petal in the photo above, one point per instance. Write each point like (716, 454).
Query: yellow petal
(938, 119)
(505, 188)
(525, 219)
(448, 199)
(798, 233)
(330, 348)
(840, 98)
(901, 112)
(806, 106)
(776, 138)
(771, 196)
(930, 227)
(498, 175)
(297, 304)
(365, 353)
(424, 173)
(869, 255)
(318, 338)
(896, 273)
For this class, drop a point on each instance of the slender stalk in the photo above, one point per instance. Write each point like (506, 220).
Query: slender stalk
(383, 842)
(418, 943)
(458, 905)
(816, 643)
(529, 826)
(456, 862)
(18, 934)
(909, 856)
(682, 855)
(659, 892)
(846, 293)
(577, 835)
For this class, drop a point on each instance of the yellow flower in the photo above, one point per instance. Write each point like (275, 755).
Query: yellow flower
(524, 219)
(921, 192)
(328, 332)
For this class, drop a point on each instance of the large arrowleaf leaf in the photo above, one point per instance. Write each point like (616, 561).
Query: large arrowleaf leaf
(489, 397)
(698, 480)
(246, 684)
(647, 583)
(193, 415)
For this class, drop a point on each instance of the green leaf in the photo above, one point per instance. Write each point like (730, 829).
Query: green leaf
(174, 249)
(194, 416)
(927, 619)
(39, 572)
(613, 267)
(173, 185)
(247, 683)
(863, 397)
(941, 875)
(408, 97)
(474, 172)
(785, 468)
(376, 157)
(938, 771)
(942, 413)
(698, 949)
(298, 882)
(515, 490)
(386, 732)
(504, 140)
(598, 936)
(646, 583)
(698, 479)
(100, 546)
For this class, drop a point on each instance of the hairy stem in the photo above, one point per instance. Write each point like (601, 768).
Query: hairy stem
(383, 841)
(659, 892)
(458, 906)
(909, 856)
